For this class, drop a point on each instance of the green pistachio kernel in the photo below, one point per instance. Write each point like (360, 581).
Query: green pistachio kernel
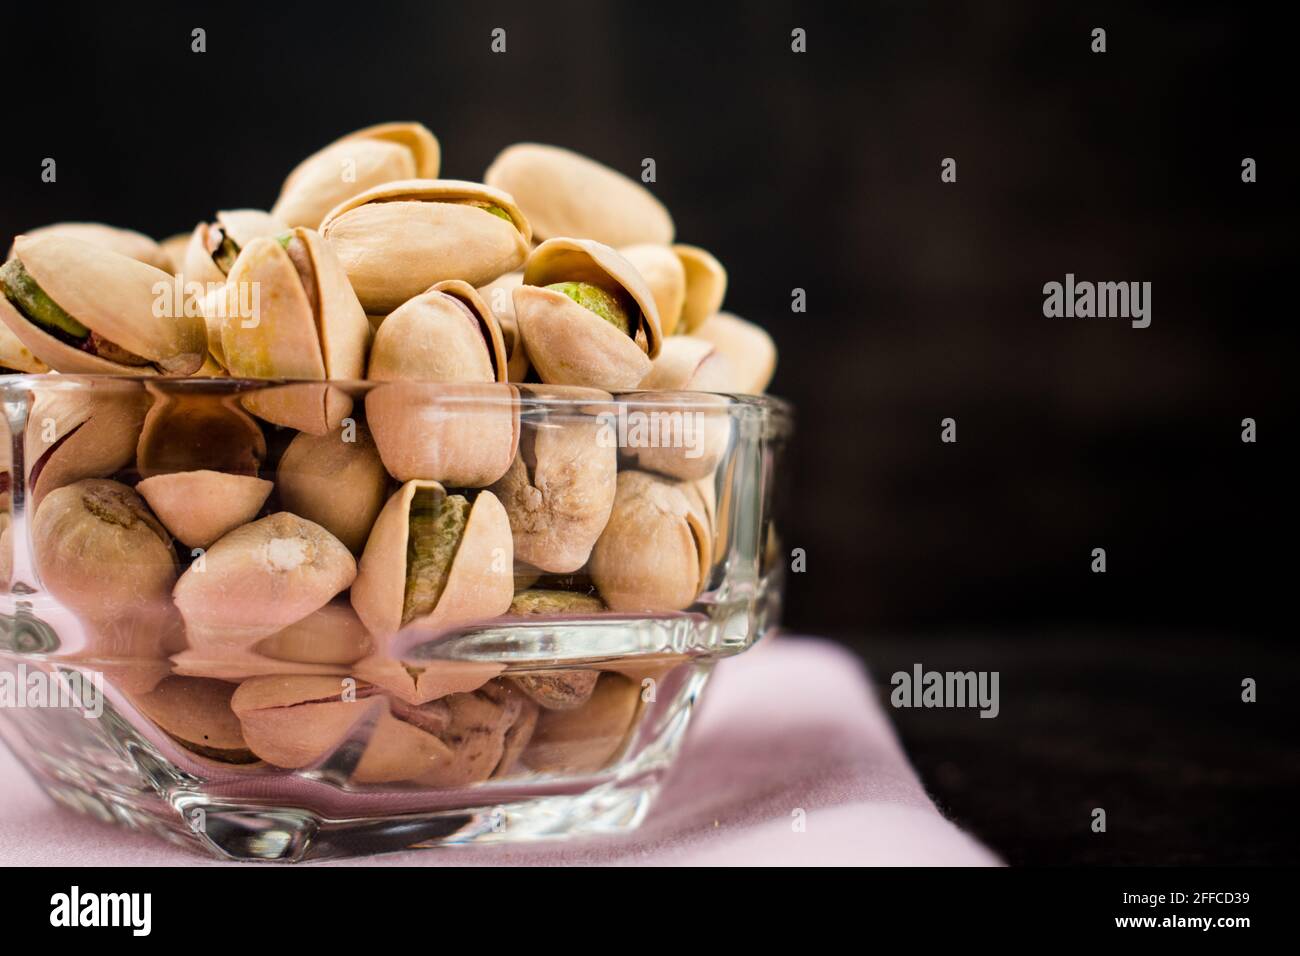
(226, 255)
(30, 299)
(437, 523)
(610, 307)
(494, 210)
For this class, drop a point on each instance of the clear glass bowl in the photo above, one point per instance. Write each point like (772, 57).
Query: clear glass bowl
(294, 620)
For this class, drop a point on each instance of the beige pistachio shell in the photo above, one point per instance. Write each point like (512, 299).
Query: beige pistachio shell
(558, 690)
(479, 584)
(559, 490)
(100, 552)
(706, 286)
(281, 324)
(693, 432)
(570, 345)
(397, 240)
(485, 731)
(16, 357)
(195, 712)
(198, 507)
(314, 408)
(295, 722)
(462, 435)
(259, 579)
(81, 434)
(418, 682)
(174, 247)
(567, 194)
(336, 480)
(115, 297)
(654, 553)
(126, 242)
(446, 334)
(749, 350)
(586, 738)
(666, 277)
(369, 157)
(687, 362)
(242, 226)
(190, 432)
(499, 296)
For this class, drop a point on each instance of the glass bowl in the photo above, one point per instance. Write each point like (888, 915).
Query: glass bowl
(294, 620)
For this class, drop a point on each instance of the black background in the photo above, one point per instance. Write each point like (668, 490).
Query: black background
(821, 171)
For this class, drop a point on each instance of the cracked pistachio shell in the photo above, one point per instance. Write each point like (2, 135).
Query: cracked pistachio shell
(586, 738)
(665, 275)
(336, 480)
(126, 242)
(298, 721)
(571, 345)
(314, 408)
(112, 295)
(259, 579)
(566, 194)
(81, 434)
(16, 357)
(462, 435)
(693, 432)
(369, 157)
(420, 681)
(399, 239)
(485, 730)
(706, 286)
(186, 431)
(500, 298)
(445, 334)
(99, 551)
(654, 554)
(198, 507)
(480, 581)
(241, 226)
(195, 712)
(687, 362)
(559, 489)
(749, 351)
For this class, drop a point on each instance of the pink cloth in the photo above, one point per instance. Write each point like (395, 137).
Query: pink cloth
(791, 724)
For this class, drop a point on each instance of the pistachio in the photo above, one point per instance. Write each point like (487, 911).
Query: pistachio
(706, 286)
(749, 351)
(687, 362)
(580, 339)
(214, 246)
(336, 480)
(559, 490)
(692, 436)
(126, 242)
(566, 194)
(261, 578)
(369, 157)
(174, 247)
(558, 690)
(585, 738)
(542, 602)
(189, 431)
(17, 358)
(654, 553)
(399, 239)
(195, 712)
(463, 435)
(499, 296)
(485, 730)
(665, 275)
(100, 552)
(81, 308)
(447, 334)
(435, 561)
(198, 507)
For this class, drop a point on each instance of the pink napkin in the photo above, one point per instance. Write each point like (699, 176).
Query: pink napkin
(789, 731)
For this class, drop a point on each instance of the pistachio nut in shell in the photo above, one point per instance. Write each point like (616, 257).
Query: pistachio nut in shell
(298, 721)
(16, 358)
(749, 350)
(312, 407)
(84, 309)
(485, 730)
(687, 362)
(336, 480)
(195, 712)
(81, 433)
(665, 275)
(654, 553)
(399, 239)
(261, 578)
(559, 490)
(100, 551)
(369, 157)
(420, 681)
(588, 737)
(706, 286)
(127, 242)
(566, 194)
(214, 246)
(462, 435)
(196, 431)
(686, 436)
(499, 294)
(174, 246)
(558, 690)
(544, 602)
(198, 507)
(586, 316)
(434, 561)
(445, 334)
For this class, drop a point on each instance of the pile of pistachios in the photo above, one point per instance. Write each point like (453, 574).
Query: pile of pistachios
(245, 553)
